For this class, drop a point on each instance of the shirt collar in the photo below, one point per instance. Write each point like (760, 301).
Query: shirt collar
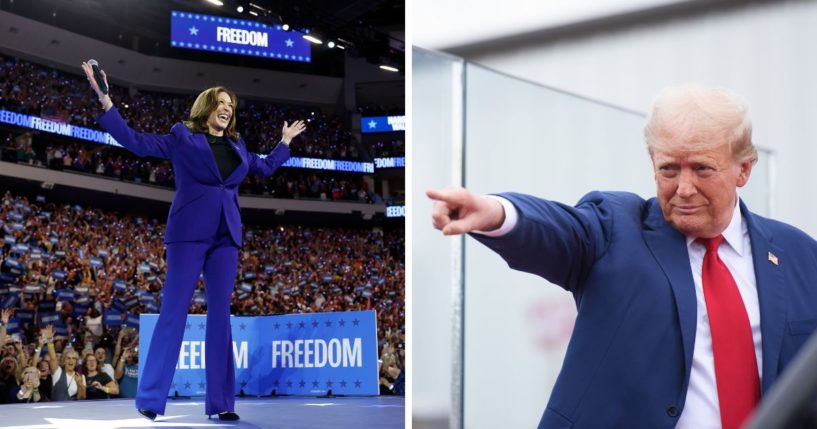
(733, 234)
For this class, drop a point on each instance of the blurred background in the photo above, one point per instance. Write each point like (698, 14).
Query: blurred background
(550, 98)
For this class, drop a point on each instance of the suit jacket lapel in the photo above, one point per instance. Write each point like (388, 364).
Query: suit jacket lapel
(668, 246)
(770, 294)
(237, 149)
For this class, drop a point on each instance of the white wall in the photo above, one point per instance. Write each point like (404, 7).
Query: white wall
(764, 51)
(486, 20)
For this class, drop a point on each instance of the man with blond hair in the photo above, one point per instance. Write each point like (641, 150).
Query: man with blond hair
(689, 305)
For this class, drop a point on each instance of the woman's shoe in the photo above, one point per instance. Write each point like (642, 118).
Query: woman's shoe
(225, 416)
(150, 415)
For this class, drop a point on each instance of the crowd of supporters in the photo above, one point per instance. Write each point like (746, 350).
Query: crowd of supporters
(75, 277)
(120, 164)
(372, 109)
(34, 89)
(37, 90)
(385, 146)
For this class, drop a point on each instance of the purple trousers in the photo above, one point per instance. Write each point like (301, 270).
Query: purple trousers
(217, 258)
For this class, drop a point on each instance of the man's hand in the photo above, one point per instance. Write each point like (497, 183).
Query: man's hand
(458, 211)
(5, 315)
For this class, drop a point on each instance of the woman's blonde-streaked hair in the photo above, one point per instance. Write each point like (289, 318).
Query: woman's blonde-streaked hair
(66, 353)
(700, 118)
(204, 105)
(31, 372)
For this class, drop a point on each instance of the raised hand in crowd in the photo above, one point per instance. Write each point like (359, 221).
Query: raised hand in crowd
(81, 388)
(30, 382)
(5, 315)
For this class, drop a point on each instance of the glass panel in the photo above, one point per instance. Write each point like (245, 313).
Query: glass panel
(436, 159)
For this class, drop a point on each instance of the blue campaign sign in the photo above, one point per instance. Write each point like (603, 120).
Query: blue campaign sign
(396, 211)
(382, 124)
(112, 318)
(296, 354)
(13, 327)
(391, 162)
(327, 164)
(237, 36)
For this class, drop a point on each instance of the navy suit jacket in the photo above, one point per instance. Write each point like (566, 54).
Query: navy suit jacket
(201, 194)
(628, 360)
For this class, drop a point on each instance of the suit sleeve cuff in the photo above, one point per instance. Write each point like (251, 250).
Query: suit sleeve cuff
(511, 217)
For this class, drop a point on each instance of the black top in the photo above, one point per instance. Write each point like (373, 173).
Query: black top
(45, 388)
(92, 392)
(226, 158)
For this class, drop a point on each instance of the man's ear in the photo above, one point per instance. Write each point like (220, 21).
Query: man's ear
(745, 172)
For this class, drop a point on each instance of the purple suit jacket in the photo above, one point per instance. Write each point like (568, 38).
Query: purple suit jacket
(201, 194)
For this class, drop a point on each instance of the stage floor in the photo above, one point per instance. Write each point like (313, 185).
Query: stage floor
(273, 413)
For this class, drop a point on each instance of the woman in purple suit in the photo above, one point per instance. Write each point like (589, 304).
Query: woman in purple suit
(203, 235)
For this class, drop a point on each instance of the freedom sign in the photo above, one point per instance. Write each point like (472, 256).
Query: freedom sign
(295, 354)
(237, 36)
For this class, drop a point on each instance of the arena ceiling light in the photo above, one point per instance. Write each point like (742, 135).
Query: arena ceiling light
(240, 9)
(389, 68)
(313, 39)
(285, 27)
(216, 2)
(253, 13)
(261, 8)
(342, 43)
(331, 44)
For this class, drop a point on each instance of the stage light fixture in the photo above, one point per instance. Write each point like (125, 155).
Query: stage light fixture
(285, 27)
(331, 44)
(253, 13)
(313, 39)
(240, 9)
(216, 2)
(389, 68)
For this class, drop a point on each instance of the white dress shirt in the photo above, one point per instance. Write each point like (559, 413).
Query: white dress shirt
(701, 410)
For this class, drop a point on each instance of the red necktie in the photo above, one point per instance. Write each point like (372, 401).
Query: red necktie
(732, 345)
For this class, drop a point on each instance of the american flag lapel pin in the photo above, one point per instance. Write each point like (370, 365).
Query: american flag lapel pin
(773, 259)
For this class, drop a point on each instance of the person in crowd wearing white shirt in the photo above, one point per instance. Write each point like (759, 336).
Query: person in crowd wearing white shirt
(105, 367)
(68, 384)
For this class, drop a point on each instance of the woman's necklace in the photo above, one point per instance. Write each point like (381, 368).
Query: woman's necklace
(70, 380)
